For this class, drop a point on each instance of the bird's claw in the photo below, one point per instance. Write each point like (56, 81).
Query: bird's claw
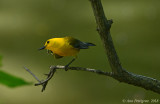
(66, 68)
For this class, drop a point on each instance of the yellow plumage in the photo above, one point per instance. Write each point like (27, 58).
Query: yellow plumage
(61, 47)
(66, 46)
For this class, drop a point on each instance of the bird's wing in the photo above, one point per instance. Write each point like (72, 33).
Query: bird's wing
(76, 43)
(81, 45)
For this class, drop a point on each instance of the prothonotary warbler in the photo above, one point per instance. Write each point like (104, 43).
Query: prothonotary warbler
(65, 46)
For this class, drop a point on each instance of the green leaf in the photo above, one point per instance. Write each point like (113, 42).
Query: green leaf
(10, 80)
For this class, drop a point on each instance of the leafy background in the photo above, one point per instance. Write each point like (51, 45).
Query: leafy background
(26, 24)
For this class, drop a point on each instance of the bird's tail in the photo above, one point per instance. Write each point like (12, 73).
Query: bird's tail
(85, 45)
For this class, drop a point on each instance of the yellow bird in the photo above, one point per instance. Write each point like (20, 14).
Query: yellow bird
(65, 46)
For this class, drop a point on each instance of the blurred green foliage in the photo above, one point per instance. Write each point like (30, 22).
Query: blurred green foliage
(10, 80)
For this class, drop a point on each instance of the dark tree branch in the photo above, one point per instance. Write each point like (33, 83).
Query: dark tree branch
(104, 26)
(130, 80)
(120, 73)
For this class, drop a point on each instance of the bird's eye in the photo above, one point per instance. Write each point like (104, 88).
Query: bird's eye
(47, 41)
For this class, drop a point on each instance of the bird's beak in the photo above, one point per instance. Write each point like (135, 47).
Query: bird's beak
(42, 48)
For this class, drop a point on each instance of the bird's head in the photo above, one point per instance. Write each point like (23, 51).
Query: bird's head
(47, 45)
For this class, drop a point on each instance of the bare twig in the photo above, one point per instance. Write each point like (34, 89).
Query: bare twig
(54, 68)
(49, 76)
(31, 74)
(85, 69)
(45, 82)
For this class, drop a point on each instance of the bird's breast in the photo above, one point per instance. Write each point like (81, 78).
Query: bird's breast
(63, 48)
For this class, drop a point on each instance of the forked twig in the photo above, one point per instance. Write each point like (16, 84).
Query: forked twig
(45, 82)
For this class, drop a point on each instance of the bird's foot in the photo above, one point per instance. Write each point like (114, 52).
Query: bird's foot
(66, 67)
